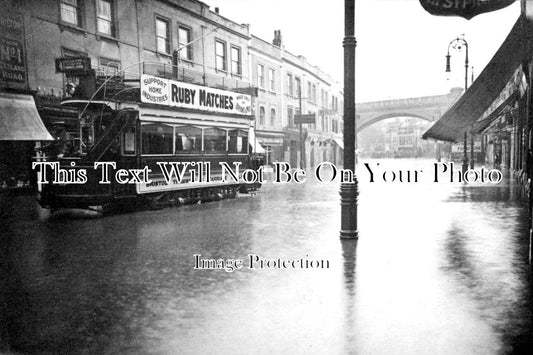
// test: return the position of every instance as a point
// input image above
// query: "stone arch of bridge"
(385, 116)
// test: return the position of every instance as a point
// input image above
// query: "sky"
(400, 47)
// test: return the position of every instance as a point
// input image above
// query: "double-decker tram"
(170, 143)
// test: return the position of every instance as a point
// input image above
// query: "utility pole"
(302, 143)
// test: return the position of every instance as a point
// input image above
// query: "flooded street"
(438, 268)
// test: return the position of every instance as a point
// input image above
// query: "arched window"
(273, 117)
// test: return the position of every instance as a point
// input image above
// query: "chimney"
(277, 38)
(217, 10)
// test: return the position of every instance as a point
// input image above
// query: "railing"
(194, 77)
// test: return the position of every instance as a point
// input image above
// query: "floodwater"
(439, 268)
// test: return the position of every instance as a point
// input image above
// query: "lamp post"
(302, 143)
(349, 190)
(458, 44)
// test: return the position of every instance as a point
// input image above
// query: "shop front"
(20, 123)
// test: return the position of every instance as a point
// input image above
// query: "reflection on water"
(438, 268)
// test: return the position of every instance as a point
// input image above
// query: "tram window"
(215, 140)
(188, 139)
(128, 141)
(237, 141)
(157, 138)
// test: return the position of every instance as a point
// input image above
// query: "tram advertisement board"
(167, 92)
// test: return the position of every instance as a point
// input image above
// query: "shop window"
(188, 139)
(214, 140)
(157, 138)
(237, 141)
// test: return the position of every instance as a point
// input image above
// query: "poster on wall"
(12, 57)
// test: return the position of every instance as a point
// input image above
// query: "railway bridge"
(428, 108)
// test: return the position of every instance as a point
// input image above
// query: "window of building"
(290, 90)
(105, 17)
(157, 138)
(107, 67)
(262, 115)
(71, 12)
(309, 92)
(184, 38)
(290, 117)
(236, 61)
(271, 82)
(298, 86)
(273, 117)
(261, 76)
(313, 96)
(162, 32)
(220, 53)
(238, 141)
(215, 140)
(188, 139)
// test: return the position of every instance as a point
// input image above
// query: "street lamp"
(458, 44)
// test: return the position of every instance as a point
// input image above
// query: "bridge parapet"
(428, 108)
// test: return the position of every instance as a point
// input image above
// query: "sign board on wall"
(73, 65)
(12, 57)
(463, 8)
(167, 92)
(305, 119)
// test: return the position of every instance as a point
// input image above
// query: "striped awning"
(19, 119)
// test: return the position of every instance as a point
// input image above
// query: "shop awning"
(486, 88)
(256, 147)
(481, 125)
(19, 119)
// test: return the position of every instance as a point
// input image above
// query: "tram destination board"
(304, 119)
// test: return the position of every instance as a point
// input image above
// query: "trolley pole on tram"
(348, 191)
